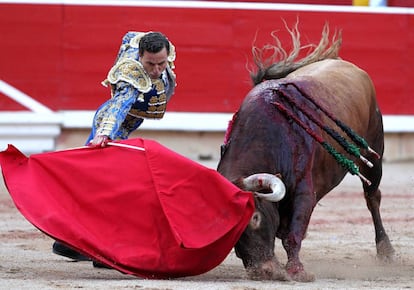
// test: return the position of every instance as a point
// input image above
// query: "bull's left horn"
(265, 181)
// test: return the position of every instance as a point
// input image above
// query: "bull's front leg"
(292, 240)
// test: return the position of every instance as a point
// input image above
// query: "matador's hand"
(99, 141)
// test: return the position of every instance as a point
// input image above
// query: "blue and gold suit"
(135, 95)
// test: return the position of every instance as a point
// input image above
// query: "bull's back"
(343, 88)
(347, 92)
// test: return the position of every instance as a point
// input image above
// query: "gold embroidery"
(159, 85)
(132, 72)
(134, 42)
(155, 110)
(141, 98)
(153, 100)
(149, 115)
(106, 126)
(158, 108)
(162, 98)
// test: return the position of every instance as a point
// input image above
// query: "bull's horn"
(265, 181)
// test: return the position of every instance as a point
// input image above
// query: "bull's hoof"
(282, 275)
(279, 275)
(298, 274)
(303, 276)
(385, 251)
(270, 270)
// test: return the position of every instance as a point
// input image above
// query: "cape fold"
(151, 213)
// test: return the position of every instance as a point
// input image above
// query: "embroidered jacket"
(135, 96)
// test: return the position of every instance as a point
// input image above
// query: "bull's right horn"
(265, 181)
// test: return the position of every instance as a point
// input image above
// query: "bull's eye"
(255, 220)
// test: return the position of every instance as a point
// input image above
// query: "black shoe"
(61, 249)
(100, 265)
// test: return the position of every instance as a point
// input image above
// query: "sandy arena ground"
(339, 248)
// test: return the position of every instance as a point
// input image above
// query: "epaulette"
(130, 71)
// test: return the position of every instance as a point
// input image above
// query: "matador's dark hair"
(153, 42)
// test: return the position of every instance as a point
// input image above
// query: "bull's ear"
(278, 175)
(255, 220)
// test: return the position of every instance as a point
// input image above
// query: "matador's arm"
(116, 110)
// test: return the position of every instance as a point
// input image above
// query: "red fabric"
(152, 213)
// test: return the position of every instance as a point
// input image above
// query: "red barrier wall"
(59, 54)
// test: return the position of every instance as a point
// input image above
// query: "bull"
(289, 138)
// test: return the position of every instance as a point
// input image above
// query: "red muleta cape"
(152, 213)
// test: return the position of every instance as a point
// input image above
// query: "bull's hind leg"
(372, 194)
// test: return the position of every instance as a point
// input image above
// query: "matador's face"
(154, 63)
